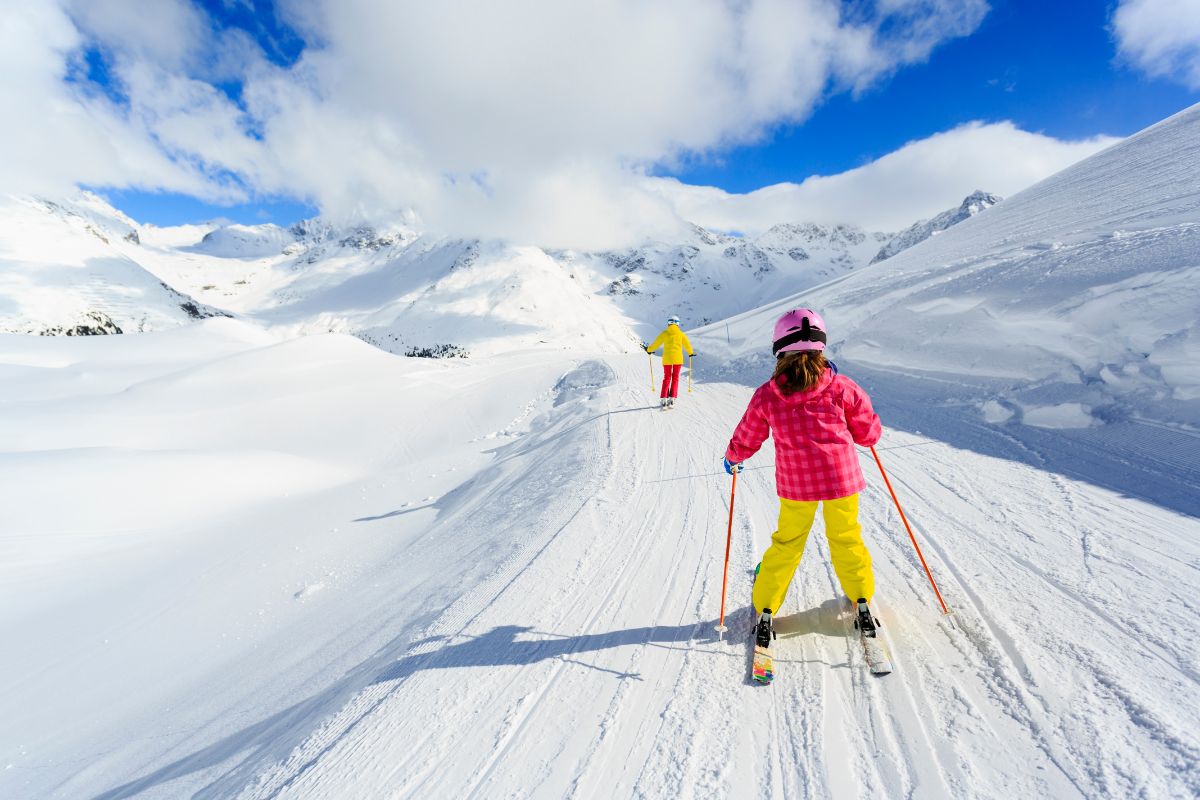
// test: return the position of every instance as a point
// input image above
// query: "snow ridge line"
(461, 615)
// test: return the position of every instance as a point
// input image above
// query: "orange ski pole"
(725, 577)
(908, 528)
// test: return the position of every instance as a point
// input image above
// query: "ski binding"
(879, 660)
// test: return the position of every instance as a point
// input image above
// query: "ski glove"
(732, 468)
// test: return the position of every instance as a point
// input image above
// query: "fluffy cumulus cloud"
(1161, 36)
(534, 120)
(917, 181)
(55, 135)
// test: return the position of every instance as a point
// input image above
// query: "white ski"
(879, 660)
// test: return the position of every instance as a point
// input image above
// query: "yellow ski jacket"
(673, 341)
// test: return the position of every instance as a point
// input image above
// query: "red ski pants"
(671, 380)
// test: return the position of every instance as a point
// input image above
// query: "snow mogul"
(674, 342)
(816, 416)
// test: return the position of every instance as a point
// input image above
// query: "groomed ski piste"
(239, 565)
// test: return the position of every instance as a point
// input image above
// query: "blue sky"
(1049, 67)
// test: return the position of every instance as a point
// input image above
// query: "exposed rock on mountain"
(915, 234)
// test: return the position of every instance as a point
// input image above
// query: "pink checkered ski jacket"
(815, 433)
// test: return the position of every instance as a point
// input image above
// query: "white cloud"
(54, 135)
(536, 118)
(917, 181)
(1161, 36)
(534, 121)
(169, 33)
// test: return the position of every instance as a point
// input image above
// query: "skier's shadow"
(824, 620)
(243, 754)
(519, 645)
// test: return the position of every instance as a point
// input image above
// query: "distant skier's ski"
(762, 670)
(879, 660)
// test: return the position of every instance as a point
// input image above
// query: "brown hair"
(799, 371)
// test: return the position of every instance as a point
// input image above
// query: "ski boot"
(864, 621)
(662, 403)
(670, 402)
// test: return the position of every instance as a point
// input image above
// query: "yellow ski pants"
(849, 555)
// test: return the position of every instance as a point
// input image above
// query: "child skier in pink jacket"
(817, 417)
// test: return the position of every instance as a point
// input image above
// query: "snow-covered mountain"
(918, 232)
(712, 275)
(411, 292)
(245, 241)
(66, 269)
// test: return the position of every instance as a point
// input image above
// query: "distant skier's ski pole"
(650, 359)
(690, 368)
(908, 528)
(725, 577)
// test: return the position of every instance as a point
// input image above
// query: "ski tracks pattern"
(587, 664)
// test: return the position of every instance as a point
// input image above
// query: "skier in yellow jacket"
(674, 342)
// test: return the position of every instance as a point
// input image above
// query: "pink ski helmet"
(799, 329)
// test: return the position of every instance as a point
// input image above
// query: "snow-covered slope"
(64, 270)
(1064, 319)
(231, 567)
(238, 564)
(918, 232)
(1073, 303)
(245, 241)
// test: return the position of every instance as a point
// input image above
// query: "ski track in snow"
(578, 658)
(221, 579)
(245, 596)
(587, 665)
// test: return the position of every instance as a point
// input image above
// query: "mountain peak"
(916, 233)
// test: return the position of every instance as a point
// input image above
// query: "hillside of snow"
(232, 566)
(244, 241)
(237, 561)
(62, 271)
(1064, 318)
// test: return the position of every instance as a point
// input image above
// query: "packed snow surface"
(240, 567)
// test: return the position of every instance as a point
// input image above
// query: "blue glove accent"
(732, 468)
